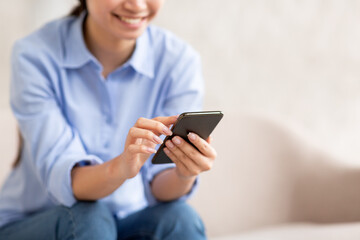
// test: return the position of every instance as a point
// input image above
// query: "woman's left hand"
(189, 161)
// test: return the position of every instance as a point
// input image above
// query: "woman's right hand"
(140, 144)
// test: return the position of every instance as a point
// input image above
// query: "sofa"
(270, 181)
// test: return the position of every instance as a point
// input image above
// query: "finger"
(144, 134)
(204, 147)
(134, 149)
(149, 143)
(156, 126)
(192, 167)
(167, 120)
(182, 168)
(138, 141)
(173, 157)
(192, 153)
(209, 139)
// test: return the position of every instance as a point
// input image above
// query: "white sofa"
(269, 182)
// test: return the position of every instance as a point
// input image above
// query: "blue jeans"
(93, 220)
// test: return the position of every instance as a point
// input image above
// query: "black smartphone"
(201, 123)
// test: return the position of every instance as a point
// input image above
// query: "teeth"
(131, 20)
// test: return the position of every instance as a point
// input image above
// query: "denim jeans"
(93, 220)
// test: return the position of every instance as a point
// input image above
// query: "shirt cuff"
(60, 183)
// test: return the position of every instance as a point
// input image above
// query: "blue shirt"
(68, 113)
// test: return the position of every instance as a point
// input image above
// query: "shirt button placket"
(107, 117)
(107, 128)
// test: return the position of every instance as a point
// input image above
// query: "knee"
(90, 210)
(92, 213)
(179, 216)
(91, 220)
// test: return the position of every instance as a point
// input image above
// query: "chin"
(129, 35)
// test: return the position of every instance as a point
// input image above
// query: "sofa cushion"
(350, 231)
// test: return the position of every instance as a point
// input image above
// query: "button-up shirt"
(68, 113)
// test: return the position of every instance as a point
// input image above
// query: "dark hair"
(20, 146)
(78, 9)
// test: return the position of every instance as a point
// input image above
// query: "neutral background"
(296, 60)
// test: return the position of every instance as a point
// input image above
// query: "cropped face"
(122, 19)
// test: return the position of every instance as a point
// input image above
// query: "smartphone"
(201, 123)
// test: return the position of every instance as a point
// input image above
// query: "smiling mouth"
(129, 20)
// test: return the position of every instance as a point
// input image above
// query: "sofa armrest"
(267, 173)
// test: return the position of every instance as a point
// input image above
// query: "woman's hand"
(98, 181)
(189, 161)
(140, 144)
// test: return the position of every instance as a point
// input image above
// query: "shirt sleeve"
(185, 94)
(51, 145)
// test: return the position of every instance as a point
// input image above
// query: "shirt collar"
(142, 59)
(77, 54)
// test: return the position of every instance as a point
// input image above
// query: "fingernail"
(166, 151)
(167, 131)
(192, 136)
(157, 139)
(176, 140)
(151, 150)
(169, 144)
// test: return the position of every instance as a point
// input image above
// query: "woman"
(93, 93)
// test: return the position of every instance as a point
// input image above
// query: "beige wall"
(17, 19)
(297, 60)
